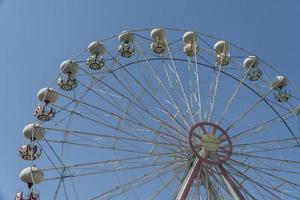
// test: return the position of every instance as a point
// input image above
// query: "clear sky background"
(37, 35)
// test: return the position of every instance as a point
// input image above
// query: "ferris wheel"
(164, 114)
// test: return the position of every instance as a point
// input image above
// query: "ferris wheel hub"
(210, 143)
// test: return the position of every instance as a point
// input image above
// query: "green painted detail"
(210, 142)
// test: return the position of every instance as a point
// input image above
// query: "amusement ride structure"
(164, 114)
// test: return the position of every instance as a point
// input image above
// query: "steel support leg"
(231, 185)
(189, 179)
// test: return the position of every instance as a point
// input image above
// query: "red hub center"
(210, 143)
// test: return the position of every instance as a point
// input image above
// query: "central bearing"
(210, 143)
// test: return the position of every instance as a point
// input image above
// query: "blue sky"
(36, 35)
